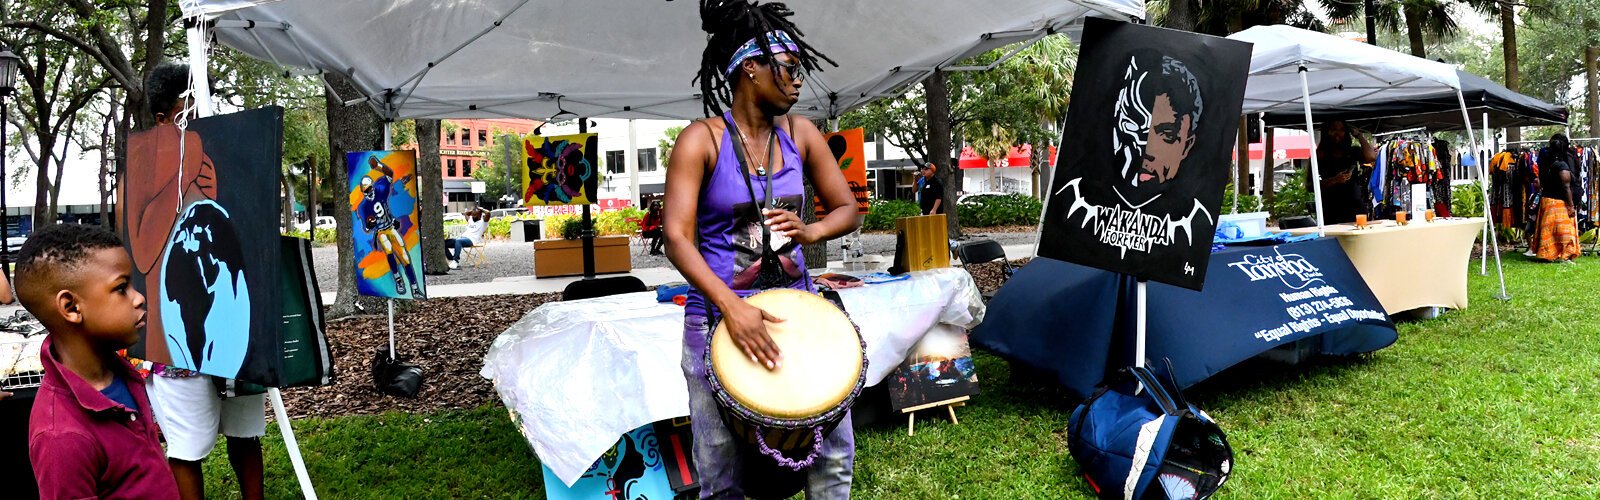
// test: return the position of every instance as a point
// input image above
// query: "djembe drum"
(787, 411)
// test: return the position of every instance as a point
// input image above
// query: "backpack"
(1150, 444)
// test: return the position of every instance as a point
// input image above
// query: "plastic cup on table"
(1428, 215)
(1400, 218)
(1361, 221)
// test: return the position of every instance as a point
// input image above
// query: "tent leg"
(1484, 189)
(293, 445)
(1483, 256)
(1316, 170)
(391, 329)
(1483, 179)
(1140, 322)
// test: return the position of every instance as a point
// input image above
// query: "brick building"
(464, 147)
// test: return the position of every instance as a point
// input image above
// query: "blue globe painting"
(206, 306)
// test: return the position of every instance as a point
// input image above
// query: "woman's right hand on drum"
(747, 326)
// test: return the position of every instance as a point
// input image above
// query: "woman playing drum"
(731, 223)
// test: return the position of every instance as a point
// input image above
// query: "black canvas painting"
(203, 209)
(1146, 151)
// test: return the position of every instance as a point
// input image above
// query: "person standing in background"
(930, 192)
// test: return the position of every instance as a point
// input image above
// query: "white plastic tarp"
(577, 375)
(1341, 72)
(634, 59)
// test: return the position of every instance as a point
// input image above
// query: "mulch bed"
(988, 275)
(446, 337)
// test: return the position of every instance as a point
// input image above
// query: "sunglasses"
(794, 70)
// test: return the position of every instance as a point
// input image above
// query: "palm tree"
(1225, 17)
(1421, 19)
(1506, 11)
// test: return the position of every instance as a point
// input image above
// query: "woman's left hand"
(789, 224)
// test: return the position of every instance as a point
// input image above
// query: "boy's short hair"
(51, 258)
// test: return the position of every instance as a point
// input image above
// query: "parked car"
(322, 221)
(507, 212)
(455, 216)
(978, 196)
(14, 243)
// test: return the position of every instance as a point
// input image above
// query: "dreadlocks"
(728, 24)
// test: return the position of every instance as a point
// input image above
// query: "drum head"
(821, 358)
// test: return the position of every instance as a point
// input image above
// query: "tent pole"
(1482, 173)
(1484, 188)
(1266, 176)
(1140, 294)
(1316, 171)
(588, 218)
(388, 137)
(198, 60)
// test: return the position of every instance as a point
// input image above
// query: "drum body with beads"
(785, 412)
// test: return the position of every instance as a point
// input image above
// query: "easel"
(948, 404)
(196, 32)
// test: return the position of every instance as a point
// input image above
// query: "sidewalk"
(650, 276)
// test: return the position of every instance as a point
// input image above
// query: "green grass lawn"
(1500, 400)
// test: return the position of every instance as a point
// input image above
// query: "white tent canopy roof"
(512, 58)
(1342, 72)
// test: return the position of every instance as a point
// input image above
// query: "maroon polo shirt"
(83, 445)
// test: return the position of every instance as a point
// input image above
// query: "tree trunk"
(1181, 15)
(105, 161)
(1268, 179)
(353, 128)
(61, 165)
(1241, 181)
(430, 181)
(124, 124)
(1591, 66)
(1414, 17)
(288, 202)
(43, 217)
(816, 254)
(1508, 45)
(311, 196)
(938, 96)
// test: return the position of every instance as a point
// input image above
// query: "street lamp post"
(8, 84)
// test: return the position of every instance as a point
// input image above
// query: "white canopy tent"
(531, 59)
(1291, 66)
(526, 59)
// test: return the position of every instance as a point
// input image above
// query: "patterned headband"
(777, 41)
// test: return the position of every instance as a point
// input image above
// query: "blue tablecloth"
(1076, 322)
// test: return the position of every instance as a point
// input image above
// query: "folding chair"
(474, 255)
(980, 251)
(602, 287)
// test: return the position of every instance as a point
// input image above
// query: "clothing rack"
(1424, 130)
(1542, 141)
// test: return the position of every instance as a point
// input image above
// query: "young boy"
(90, 433)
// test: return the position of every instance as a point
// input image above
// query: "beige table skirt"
(1422, 264)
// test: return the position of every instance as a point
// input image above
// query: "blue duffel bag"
(1148, 444)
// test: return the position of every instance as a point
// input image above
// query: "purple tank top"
(730, 226)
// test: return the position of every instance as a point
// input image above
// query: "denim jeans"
(454, 245)
(716, 452)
